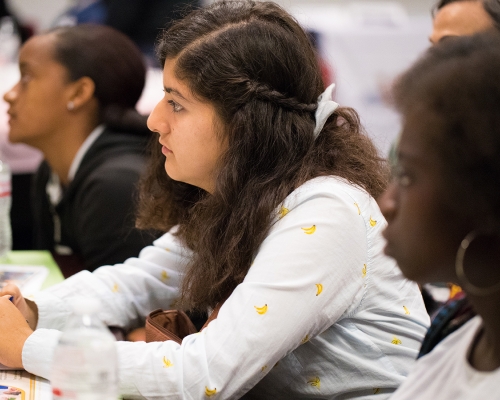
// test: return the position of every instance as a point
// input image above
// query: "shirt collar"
(83, 150)
(53, 188)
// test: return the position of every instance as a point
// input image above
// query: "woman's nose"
(11, 94)
(157, 120)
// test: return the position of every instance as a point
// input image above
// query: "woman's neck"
(485, 351)
(60, 150)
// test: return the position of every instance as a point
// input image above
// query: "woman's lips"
(165, 150)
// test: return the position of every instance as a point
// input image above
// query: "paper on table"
(21, 385)
(29, 278)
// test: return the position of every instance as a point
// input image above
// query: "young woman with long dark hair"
(266, 188)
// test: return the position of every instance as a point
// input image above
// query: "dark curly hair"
(255, 64)
(456, 87)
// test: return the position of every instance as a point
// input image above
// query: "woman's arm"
(307, 274)
(128, 291)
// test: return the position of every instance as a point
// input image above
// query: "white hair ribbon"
(326, 107)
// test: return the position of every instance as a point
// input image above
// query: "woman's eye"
(402, 177)
(25, 79)
(175, 106)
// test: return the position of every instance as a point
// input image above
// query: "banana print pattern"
(263, 368)
(167, 363)
(372, 222)
(407, 312)
(315, 382)
(261, 310)
(357, 206)
(319, 289)
(164, 276)
(305, 340)
(376, 390)
(210, 392)
(396, 341)
(363, 271)
(310, 230)
(283, 211)
(115, 288)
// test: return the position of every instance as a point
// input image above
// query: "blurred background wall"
(364, 45)
(40, 13)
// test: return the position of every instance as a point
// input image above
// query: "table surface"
(35, 257)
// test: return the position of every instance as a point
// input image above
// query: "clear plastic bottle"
(10, 41)
(85, 365)
(5, 203)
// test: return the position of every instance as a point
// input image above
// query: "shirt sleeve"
(306, 275)
(128, 291)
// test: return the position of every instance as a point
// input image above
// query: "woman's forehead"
(38, 50)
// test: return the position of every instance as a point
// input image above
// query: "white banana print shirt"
(321, 314)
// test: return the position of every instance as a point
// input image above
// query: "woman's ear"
(81, 92)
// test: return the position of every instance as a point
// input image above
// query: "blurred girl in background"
(75, 101)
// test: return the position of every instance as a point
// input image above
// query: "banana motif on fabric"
(167, 363)
(396, 341)
(310, 230)
(363, 271)
(210, 392)
(164, 276)
(372, 222)
(306, 339)
(407, 312)
(283, 211)
(261, 310)
(319, 289)
(376, 390)
(315, 382)
(359, 210)
(115, 288)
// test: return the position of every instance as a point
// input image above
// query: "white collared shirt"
(321, 314)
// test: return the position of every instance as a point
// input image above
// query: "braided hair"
(256, 66)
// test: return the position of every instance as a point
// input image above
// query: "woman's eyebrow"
(174, 92)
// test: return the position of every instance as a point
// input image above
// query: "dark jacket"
(96, 212)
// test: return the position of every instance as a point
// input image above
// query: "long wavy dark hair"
(254, 63)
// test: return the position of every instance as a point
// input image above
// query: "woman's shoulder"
(337, 190)
(329, 185)
(445, 372)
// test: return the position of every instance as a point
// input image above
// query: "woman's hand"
(27, 307)
(13, 333)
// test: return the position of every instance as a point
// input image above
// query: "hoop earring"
(70, 106)
(459, 270)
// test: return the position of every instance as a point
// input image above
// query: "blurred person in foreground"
(75, 101)
(463, 18)
(266, 188)
(454, 18)
(443, 207)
